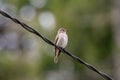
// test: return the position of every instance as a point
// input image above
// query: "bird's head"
(62, 30)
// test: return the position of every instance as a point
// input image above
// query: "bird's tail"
(56, 59)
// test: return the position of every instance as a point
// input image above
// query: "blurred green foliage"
(90, 38)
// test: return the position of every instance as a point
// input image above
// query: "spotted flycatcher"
(61, 40)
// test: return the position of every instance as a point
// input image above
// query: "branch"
(77, 59)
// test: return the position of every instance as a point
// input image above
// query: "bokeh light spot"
(47, 20)
(27, 13)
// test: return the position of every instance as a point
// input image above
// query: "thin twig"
(77, 59)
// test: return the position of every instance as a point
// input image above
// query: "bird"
(61, 40)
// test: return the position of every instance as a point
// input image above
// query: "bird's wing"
(57, 51)
(56, 39)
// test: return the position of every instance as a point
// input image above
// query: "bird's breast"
(63, 40)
